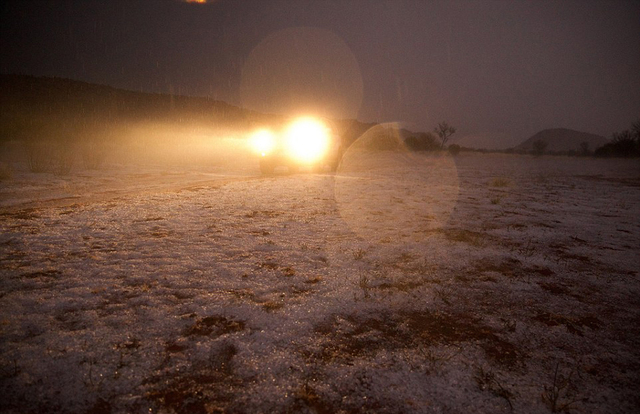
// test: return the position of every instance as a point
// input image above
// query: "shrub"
(454, 149)
(500, 182)
(422, 142)
(623, 144)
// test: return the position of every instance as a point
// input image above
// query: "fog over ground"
(500, 71)
(153, 261)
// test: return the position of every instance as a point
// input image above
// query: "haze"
(499, 71)
(286, 207)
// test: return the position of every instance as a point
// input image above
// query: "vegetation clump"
(623, 144)
(424, 141)
(444, 131)
(436, 141)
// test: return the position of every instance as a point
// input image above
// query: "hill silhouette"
(30, 104)
(58, 109)
(562, 140)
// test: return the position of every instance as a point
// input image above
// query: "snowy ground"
(402, 284)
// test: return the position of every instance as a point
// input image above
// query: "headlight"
(307, 140)
(263, 142)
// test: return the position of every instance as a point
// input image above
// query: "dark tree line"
(623, 144)
(424, 141)
(427, 141)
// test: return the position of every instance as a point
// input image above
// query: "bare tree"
(444, 131)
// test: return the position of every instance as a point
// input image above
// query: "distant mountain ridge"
(44, 97)
(563, 140)
(33, 106)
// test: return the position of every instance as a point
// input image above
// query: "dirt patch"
(574, 325)
(508, 267)
(24, 214)
(350, 337)
(214, 326)
(206, 387)
(50, 273)
(465, 236)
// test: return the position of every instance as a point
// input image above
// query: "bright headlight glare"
(263, 141)
(307, 140)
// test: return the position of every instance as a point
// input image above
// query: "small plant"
(496, 200)
(359, 254)
(559, 396)
(307, 394)
(509, 325)
(288, 271)
(527, 250)
(487, 380)
(93, 380)
(444, 294)
(436, 359)
(272, 306)
(363, 283)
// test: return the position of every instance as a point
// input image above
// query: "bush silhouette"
(623, 144)
(454, 149)
(422, 142)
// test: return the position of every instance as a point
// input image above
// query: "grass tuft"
(500, 182)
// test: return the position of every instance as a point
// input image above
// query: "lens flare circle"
(389, 194)
(302, 70)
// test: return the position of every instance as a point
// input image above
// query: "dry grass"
(500, 182)
(507, 303)
(364, 337)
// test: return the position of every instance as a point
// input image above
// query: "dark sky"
(498, 70)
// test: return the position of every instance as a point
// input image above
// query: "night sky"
(500, 71)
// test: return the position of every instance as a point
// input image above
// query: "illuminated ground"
(406, 284)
